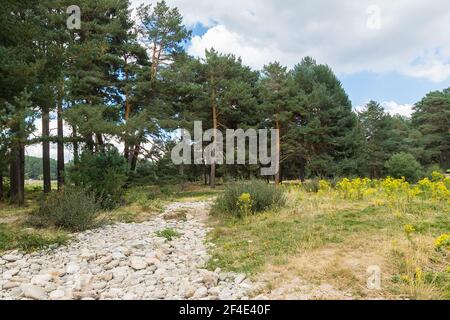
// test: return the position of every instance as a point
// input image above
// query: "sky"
(393, 52)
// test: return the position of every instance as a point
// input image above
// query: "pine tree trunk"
(135, 156)
(13, 177)
(46, 150)
(21, 186)
(212, 180)
(60, 161)
(76, 156)
(277, 150)
(1, 185)
(17, 175)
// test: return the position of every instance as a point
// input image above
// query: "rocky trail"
(125, 261)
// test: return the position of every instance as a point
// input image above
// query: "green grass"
(246, 245)
(168, 234)
(29, 240)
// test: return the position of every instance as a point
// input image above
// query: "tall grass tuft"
(262, 197)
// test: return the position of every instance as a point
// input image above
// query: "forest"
(116, 81)
(122, 86)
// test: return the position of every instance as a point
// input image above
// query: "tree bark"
(60, 161)
(46, 150)
(1, 185)
(137, 150)
(17, 175)
(277, 148)
(212, 180)
(76, 156)
(21, 175)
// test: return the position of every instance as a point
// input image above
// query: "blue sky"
(393, 52)
(365, 85)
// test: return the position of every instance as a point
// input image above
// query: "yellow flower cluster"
(324, 186)
(245, 203)
(438, 188)
(356, 189)
(443, 242)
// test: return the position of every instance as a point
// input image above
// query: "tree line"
(119, 79)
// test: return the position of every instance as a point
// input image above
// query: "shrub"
(168, 234)
(311, 186)
(103, 174)
(249, 196)
(71, 209)
(404, 165)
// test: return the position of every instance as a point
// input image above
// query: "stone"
(160, 272)
(9, 285)
(41, 280)
(210, 279)
(124, 261)
(57, 294)
(72, 268)
(11, 257)
(201, 293)
(138, 263)
(112, 265)
(10, 273)
(239, 278)
(83, 282)
(34, 292)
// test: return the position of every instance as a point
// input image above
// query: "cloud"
(338, 33)
(393, 108)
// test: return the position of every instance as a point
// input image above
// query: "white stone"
(137, 263)
(72, 268)
(34, 292)
(201, 293)
(57, 294)
(11, 257)
(10, 273)
(41, 280)
(239, 278)
(9, 285)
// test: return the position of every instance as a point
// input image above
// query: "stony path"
(124, 261)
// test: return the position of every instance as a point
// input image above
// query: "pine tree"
(276, 96)
(326, 128)
(230, 90)
(432, 118)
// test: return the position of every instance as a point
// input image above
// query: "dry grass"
(327, 241)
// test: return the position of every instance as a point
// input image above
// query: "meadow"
(324, 232)
(332, 233)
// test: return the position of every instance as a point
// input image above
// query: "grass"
(324, 239)
(168, 234)
(29, 239)
(142, 203)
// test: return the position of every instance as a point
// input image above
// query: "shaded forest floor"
(317, 247)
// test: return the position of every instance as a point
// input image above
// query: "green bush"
(311, 186)
(404, 165)
(71, 209)
(103, 174)
(263, 196)
(168, 234)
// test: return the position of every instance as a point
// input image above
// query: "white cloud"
(333, 32)
(393, 108)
